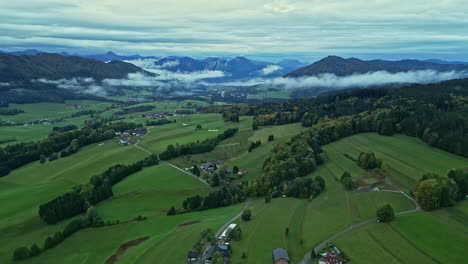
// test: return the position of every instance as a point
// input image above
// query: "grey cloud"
(358, 80)
(79, 85)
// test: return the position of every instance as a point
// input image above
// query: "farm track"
(168, 163)
(307, 258)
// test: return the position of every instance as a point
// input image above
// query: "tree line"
(90, 219)
(197, 147)
(10, 111)
(226, 196)
(65, 143)
(135, 109)
(159, 122)
(83, 196)
(435, 113)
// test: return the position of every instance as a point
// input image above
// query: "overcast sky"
(268, 29)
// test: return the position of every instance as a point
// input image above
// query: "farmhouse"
(330, 258)
(225, 250)
(209, 167)
(280, 256)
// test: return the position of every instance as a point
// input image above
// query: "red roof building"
(331, 258)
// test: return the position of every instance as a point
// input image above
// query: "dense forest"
(436, 113)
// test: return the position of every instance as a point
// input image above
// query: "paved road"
(307, 258)
(232, 220)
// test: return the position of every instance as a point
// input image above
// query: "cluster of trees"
(347, 181)
(91, 219)
(207, 237)
(246, 214)
(69, 142)
(135, 109)
(64, 128)
(85, 112)
(305, 187)
(232, 116)
(255, 145)
(278, 118)
(368, 161)
(296, 158)
(198, 147)
(159, 122)
(83, 196)
(226, 196)
(271, 138)
(184, 112)
(385, 213)
(10, 111)
(434, 191)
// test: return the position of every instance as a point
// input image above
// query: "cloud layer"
(163, 82)
(332, 81)
(302, 28)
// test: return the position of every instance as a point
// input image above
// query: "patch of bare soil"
(119, 253)
(189, 223)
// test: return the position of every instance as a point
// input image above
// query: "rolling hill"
(54, 66)
(344, 67)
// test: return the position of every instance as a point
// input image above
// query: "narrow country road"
(232, 220)
(170, 164)
(307, 258)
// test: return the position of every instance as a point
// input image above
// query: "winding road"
(307, 258)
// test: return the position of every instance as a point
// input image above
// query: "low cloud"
(4, 84)
(79, 85)
(166, 82)
(170, 64)
(270, 69)
(353, 81)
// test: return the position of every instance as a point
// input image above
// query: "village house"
(209, 167)
(225, 250)
(280, 256)
(330, 258)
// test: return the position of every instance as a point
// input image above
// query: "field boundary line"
(168, 163)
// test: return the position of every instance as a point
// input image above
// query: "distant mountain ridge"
(344, 67)
(236, 68)
(55, 66)
(19, 76)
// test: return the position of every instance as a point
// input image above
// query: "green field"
(414, 238)
(335, 210)
(51, 111)
(184, 130)
(233, 151)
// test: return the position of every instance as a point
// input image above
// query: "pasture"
(413, 238)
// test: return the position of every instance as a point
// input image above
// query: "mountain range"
(344, 67)
(236, 68)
